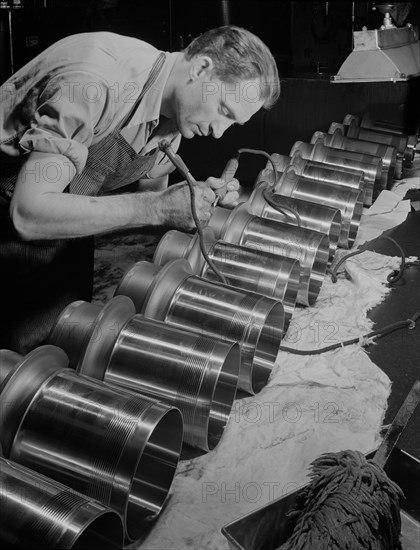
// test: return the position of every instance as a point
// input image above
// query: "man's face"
(206, 106)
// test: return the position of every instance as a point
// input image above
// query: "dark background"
(305, 37)
(309, 40)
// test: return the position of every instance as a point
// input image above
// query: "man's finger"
(206, 192)
(230, 197)
(215, 183)
(209, 195)
(232, 185)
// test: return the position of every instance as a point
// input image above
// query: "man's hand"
(227, 191)
(176, 201)
(176, 205)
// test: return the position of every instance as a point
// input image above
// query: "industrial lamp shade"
(380, 55)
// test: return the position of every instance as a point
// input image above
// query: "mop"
(350, 502)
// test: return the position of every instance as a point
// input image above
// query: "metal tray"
(268, 527)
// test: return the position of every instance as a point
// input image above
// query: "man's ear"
(201, 66)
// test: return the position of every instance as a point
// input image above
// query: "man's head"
(229, 75)
(237, 55)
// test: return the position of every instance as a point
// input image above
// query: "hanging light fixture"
(389, 53)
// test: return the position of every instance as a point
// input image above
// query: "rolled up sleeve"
(71, 110)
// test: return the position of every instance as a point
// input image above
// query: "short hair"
(237, 55)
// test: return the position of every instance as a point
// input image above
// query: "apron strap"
(156, 68)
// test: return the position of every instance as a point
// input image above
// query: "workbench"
(398, 354)
(271, 451)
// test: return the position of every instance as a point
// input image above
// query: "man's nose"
(219, 127)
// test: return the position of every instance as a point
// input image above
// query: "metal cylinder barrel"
(38, 512)
(196, 374)
(371, 187)
(244, 193)
(381, 125)
(326, 173)
(311, 248)
(370, 165)
(87, 332)
(311, 215)
(400, 142)
(8, 361)
(106, 443)
(347, 200)
(389, 127)
(351, 177)
(173, 294)
(387, 153)
(176, 244)
(257, 270)
(351, 121)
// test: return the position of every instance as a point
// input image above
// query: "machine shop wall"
(36, 24)
(305, 105)
(167, 24)
(320, 36)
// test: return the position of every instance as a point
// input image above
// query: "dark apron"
(40, 278)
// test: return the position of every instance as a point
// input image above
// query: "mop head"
(350, 504)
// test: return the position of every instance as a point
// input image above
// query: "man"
(80, 124)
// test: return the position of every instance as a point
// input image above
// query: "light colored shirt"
(80, 89)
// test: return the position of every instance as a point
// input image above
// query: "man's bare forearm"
(41, 210)
(65, 216)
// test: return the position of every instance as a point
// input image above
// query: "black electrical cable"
(259, 152)
(409, 323)
(269, 197)
(393, 277)
(176, 160)
(203, 249)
